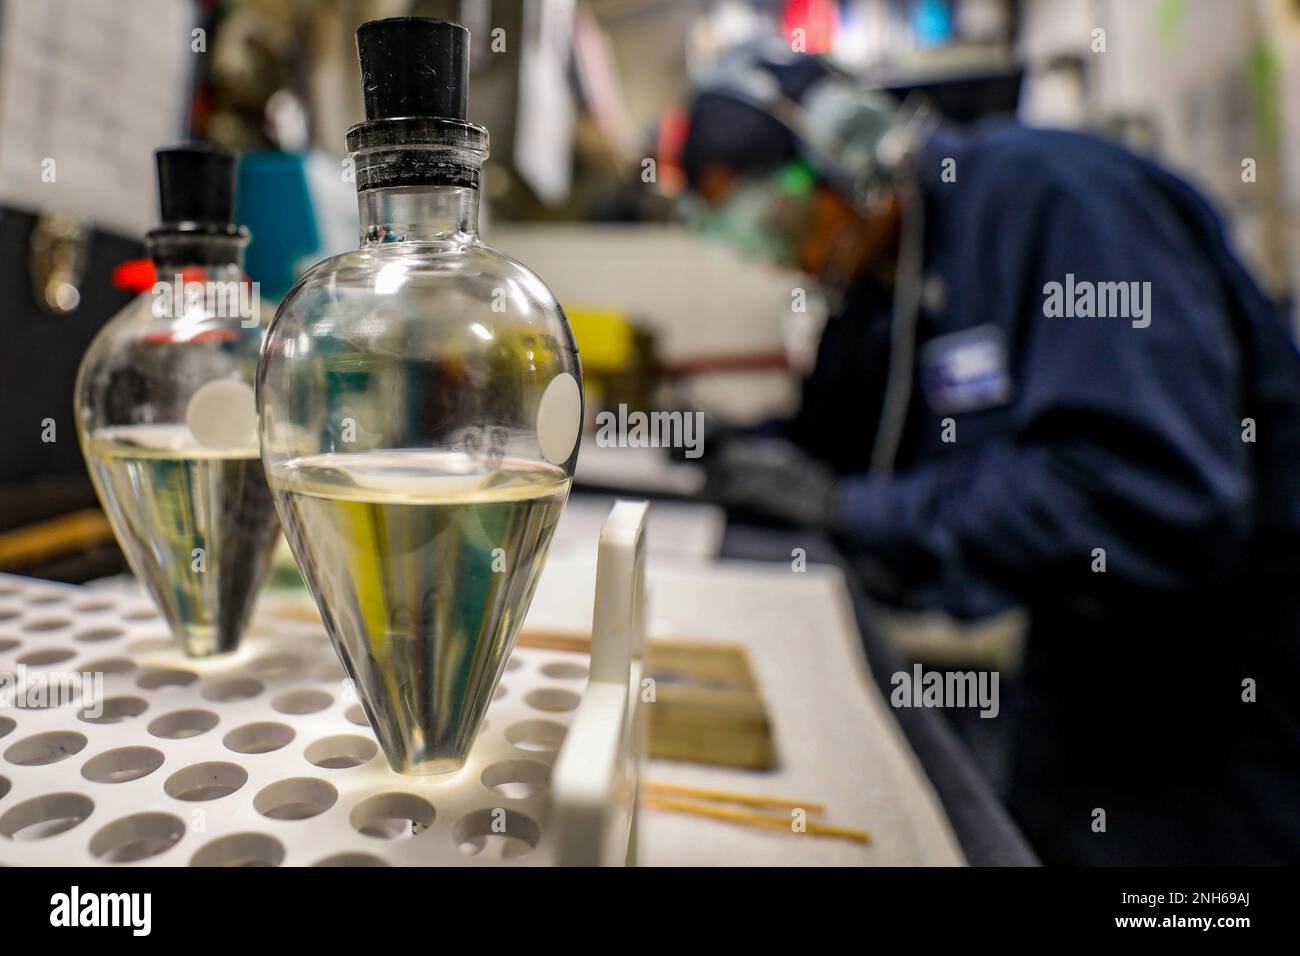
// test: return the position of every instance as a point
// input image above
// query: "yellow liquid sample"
(197, 526)
(423, 566)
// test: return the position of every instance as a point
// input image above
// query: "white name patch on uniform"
(966, 371)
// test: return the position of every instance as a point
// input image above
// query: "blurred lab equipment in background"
(87, 91)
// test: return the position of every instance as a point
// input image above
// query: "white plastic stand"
(265, 757)
(596, 778)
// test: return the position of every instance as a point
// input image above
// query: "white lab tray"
(551, 779)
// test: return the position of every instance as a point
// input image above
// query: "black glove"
(773, 478)
(713, 433)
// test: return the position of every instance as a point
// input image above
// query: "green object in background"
(1264, 84)
(796, 179)
(1170, 16)
(763, 216)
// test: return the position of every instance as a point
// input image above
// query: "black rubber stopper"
(196, 184)
(414, 66)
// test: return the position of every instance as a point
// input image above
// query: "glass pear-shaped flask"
(420, 401)
(166, 416)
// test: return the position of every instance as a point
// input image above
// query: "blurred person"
(1050, 384)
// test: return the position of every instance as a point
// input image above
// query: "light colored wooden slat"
(66, 534)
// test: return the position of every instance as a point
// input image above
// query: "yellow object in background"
(605, 338)
(619, 363)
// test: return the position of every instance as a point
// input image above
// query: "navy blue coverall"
(1043, 445)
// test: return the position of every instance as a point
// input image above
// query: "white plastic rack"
(265, 757)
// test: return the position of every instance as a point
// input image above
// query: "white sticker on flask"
(559, 418)
(222, 414)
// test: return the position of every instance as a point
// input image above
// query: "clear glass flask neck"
(418, 214)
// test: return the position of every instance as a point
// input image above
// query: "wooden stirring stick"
(750, 818)
(724, 796)
(552, 640)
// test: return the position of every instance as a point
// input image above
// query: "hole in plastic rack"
(47, 657)
(96, 634)
(351, 859)
(276, 665)
(539, 735)
(151, 645)
(45, 816)
(554, 700)
(48, 624)
(180, 724)
(122, 765)
(258, 738)
(241, 849)
(46, 748)
(517, 779)
(206, 781)
(298, 798)
(341, 752)
(234, 689)
(330, 671)
(50, 692)
(564, 670)
(498, 832)
(93, 606)
(162, 677)
(392, 816)
(110, 665)
(114, 710)
(302, 701)
(140, 836)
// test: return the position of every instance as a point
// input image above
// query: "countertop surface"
(836, 739)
